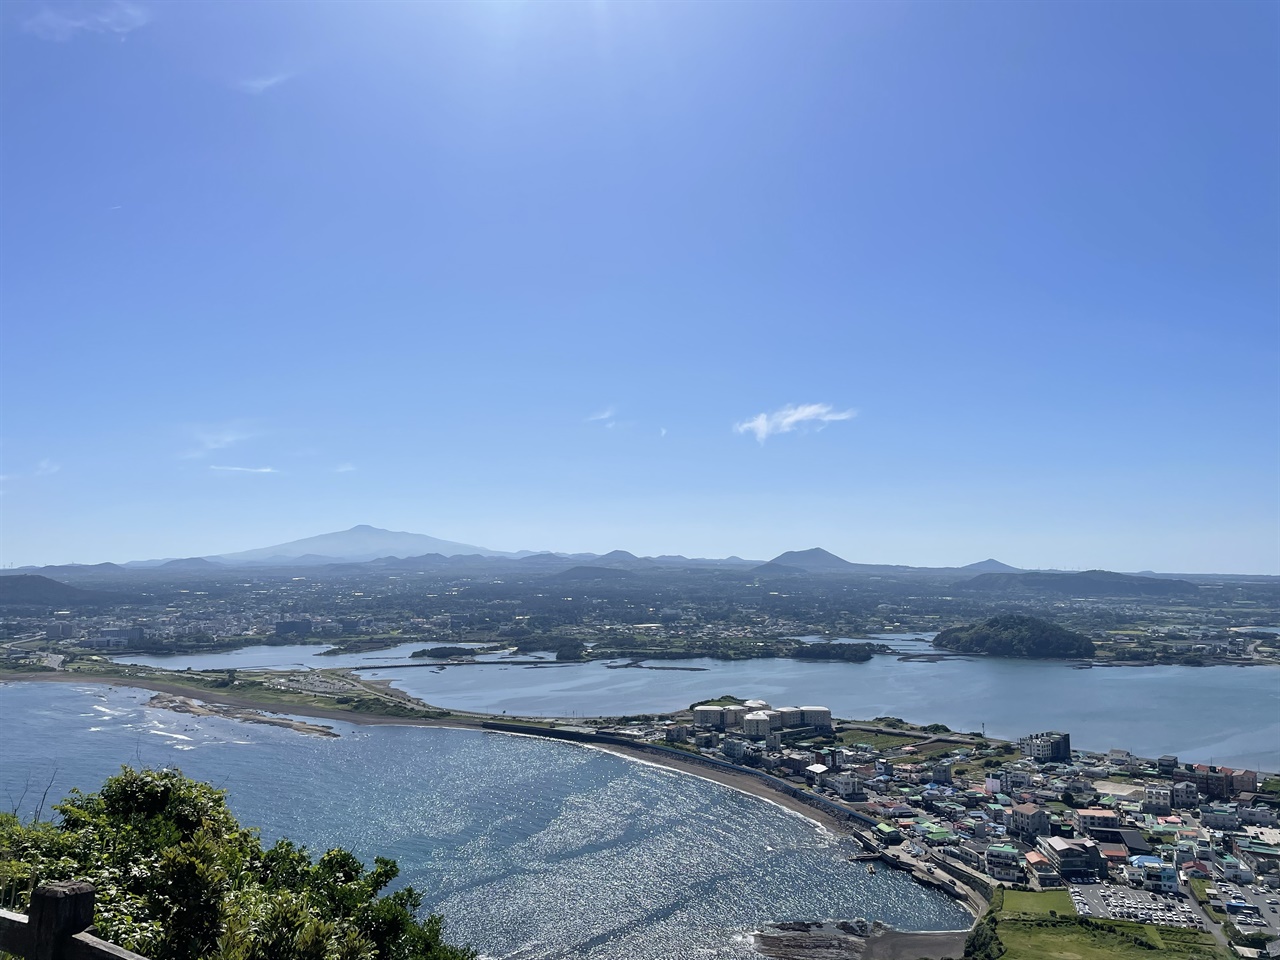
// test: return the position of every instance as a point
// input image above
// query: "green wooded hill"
(1016, 635)
(1090, 583)
(33, 590)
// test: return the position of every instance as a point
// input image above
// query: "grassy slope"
(1025, 941)
(1037, 904)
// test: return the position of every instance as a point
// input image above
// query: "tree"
(179, 878)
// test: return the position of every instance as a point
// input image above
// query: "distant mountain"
(1090, 583)
(989, 566)
(775, 569)
(360, 543)
(544, 560)
(191, 564)
(815, 560)
(33, 590)
(623, 560)
(88, 570)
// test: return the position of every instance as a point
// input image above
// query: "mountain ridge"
(360, 543)
(364, 543)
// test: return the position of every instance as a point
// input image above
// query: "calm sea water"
(531, 848)
(1222, 715)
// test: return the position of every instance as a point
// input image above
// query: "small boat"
(871, 868)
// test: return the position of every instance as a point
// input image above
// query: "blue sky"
(917, 282)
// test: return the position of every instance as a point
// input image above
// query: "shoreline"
(742, 782)
(775, 941)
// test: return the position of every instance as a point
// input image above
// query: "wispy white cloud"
(791, 417)
(46, 468)
(608, 413)
(344, 468)
(662, 431)
(259, 85)
(217, 437)
(245, 469)
(65, 22)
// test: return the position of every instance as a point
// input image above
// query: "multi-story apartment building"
(1097, 818)
(1073, 857)
(1051, 745)
(1028, 821)
(1185, 795)
(1003, 862)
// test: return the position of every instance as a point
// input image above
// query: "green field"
(878, 741)
(1111, 940)
(1037, 904)
(932, 751)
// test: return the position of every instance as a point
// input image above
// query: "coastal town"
(1022, 832)
(1145, 839)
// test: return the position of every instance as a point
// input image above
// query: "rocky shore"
(168, 701)
(854, 940)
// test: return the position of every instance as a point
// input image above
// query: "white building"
(791, 716)
(757, 724)
(848, 786)
(705, 717)
(817, 717)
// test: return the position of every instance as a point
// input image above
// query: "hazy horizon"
(921, 284)
(764, 557)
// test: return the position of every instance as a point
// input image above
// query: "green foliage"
(847, 652)
(442, 652)
(982, 942)
(565, 648)
(178, 878)
(896, 723)
(1016, 635)
(722, 701)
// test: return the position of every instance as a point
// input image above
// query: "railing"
(55, 928)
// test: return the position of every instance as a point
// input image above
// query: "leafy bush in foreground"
(178, 878)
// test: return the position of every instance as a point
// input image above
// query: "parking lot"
(1109, 901)
(1266, 901)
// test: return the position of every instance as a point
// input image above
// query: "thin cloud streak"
(245, 469)
(47, 468)
(608, 413)
(344, 468)
(260, 85)
(116, 17)
(210, 439)
(792, 417)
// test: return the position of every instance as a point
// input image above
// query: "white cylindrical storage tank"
(792, 716)
(756, 724)
(705, 716)
(817, 716)
(756, 705)
(733, 715)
